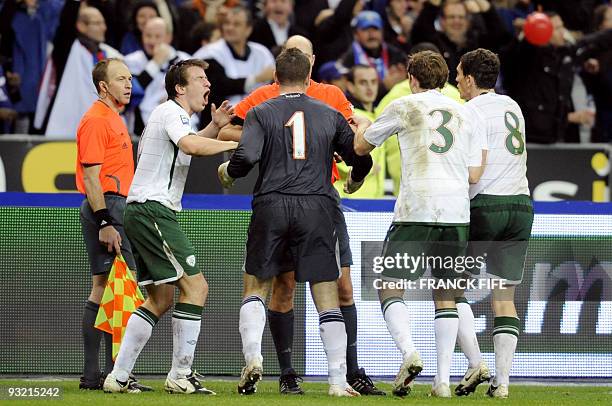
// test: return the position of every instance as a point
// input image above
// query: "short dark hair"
(136, 8)
(429, 68)
(292, 67)
(202, 31)
(239, 8)
(177, 75)
(350, 76)
(482, 65)
(450, 3)
(100, 71)
(424, 46)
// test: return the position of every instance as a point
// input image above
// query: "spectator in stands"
(26, 30)
(333, 73)
(362, 81)
(465, 26)
(132, 40)
(236, 66)
(202, 34)
(149, 67)
(330, 30)
(307, 11)
(66, 89)
(166, 9)
(598, 78)
(577, 15)
(192, 12)
(7, 112)
(368, 48)
(398, 24)
(112, 20)
(546, 98)
(513, 13)
(273, 29)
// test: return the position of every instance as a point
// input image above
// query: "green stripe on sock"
(461, 300)
(147, 315)
(185, 316)
(187, 311)
(388, 302)
(507, 325)
(446, 314)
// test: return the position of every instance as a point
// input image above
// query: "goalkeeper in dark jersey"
(293, 138)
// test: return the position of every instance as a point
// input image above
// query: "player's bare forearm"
(230, 132)
(360, 145)
(475, 172)
(93, 187)
(210, 131)
(220, 117)
(202, 146)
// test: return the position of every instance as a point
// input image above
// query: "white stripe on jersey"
(162, 168)
(437, 144)
(506, 171)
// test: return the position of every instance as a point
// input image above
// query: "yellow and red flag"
(121, 297)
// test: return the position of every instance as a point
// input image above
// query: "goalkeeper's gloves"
(226, 180)
(352, 186)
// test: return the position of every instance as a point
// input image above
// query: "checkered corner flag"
(121, 298)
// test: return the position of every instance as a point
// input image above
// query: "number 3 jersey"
(293, 137)
(506, 171)
(438, 139)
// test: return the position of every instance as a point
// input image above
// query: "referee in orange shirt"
(104, 172)
(280, 308)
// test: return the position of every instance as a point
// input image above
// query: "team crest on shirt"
(190, 260)
(184, 119)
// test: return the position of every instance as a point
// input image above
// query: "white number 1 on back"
(298, 128)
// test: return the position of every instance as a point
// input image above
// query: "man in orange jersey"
(104, 172)
(280, 309)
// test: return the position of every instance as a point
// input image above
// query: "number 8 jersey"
(506, 170)
(438, 139)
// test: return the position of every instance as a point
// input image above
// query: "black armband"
(103, 218)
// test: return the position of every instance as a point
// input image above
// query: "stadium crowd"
(49, 47)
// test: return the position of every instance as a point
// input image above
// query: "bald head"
(301, 43)
(156, 24)
(155, 32)
(91, 24)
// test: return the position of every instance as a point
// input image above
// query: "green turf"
(267, 395)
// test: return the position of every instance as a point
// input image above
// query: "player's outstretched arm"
(249, 150)
(230, 132)
(360, 145)
(221, 117)
(200, 146)
(361, 164)
(351, 185)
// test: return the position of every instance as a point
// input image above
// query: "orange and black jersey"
(293, 138)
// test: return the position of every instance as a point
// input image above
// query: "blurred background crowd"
(48, 48)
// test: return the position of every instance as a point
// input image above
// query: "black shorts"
(344, 245)
(302, 226)
(346, 256)
(100, 260)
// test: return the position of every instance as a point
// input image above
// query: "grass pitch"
(267, 395)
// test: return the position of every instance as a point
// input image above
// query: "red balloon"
(538, 28)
